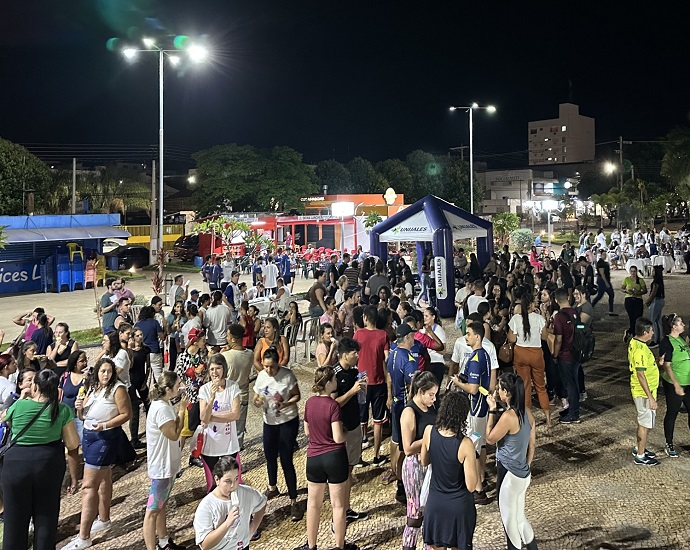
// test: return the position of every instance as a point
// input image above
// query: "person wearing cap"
(401, 367)
(193, 299)
(178, 291)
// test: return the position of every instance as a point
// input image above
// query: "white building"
(566, 139)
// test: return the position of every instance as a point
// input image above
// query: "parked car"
(130, 255)
(186, 247)
(111, 244)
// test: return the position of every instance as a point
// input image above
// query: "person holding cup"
(227, 517)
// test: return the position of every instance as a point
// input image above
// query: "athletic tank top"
(512, 450)
(448, 474)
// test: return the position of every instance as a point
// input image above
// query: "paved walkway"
(585, 494)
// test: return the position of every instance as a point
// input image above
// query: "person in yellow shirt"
(644, 381)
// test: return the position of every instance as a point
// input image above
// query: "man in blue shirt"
(401, 367)
(478, 371)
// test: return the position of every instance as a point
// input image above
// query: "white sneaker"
(78, 544)
(99, 526)
(564, 404)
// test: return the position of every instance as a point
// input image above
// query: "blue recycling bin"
(112, 262)
(198, 261)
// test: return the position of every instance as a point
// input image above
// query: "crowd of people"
(524, 328)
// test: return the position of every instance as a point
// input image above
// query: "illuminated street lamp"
(488, 109)
(196, 53)
(549, 206)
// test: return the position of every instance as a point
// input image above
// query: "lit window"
(564, 159)
(546, 139)
(550, 148)
(564, 148)
(550, 158)
(563, 128)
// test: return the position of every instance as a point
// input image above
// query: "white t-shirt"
(461, 294)
(220, 438)
(6, 388)
(284, 300)
(473, 302)
(163, 454)
(240, 364)
(275, 389)
(536, 324)
(434, 355)
(189, 325)
(216, 321)
(122, 361)
(213, 511)
(270, 273)
(462, 352)
(228, 266)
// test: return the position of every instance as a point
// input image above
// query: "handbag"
(13, 441)
(505, 352)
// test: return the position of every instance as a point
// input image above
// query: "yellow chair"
(74, 248)
(100, 270)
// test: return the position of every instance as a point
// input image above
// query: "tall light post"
(197, 54)
(489, 109)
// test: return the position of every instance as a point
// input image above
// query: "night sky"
(339, 79)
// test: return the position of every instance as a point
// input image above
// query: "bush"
(521, 240)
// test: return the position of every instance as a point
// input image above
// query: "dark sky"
(339, 79)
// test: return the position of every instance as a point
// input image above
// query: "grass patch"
(185, 267)
(87, 336)
(125, 274)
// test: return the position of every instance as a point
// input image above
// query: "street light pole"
(471, 162)
(490, 109)
(159, 245)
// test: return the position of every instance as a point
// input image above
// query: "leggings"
(673, 404)
(511, 504)
(138, 397)
(635, 309)
(210, 463)
(412, 478)
(280, 441)
(654, 314)
(31, 480)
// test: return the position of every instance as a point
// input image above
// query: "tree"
(21, 172)
(225, 228)
(372, 220)
(676, 162)
(504, 224)
(426, 174)
(398, 176)
(335, 176)
(243, 178)
(456, 183)
(363, 176)
(522, 239)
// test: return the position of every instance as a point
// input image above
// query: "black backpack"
(583, 344)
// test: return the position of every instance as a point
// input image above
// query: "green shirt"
(680, 361)
(43, 430)
(641, 359)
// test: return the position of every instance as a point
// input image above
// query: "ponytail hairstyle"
(166, 381)
(216, 298)
(667, 322)
(271, 353)
(422, 381)
(525, 302)
(47, 383)
(513, 384)
(322, 376)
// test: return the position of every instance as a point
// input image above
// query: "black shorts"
(377, 395)
(330, 467)
(396, 413)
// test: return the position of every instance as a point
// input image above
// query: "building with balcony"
(566, 139)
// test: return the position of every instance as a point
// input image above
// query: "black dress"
(449, 515)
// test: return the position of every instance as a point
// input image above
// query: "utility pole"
(620, 153)
(153, 238)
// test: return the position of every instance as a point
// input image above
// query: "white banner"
(414, 228)
(440, 277)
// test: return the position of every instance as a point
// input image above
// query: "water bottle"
(361, 394)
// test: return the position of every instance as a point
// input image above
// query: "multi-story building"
(566, 139)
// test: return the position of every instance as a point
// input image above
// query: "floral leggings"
(412, 478)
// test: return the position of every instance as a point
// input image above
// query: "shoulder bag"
(22, 431)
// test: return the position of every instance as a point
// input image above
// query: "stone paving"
(585, 494)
